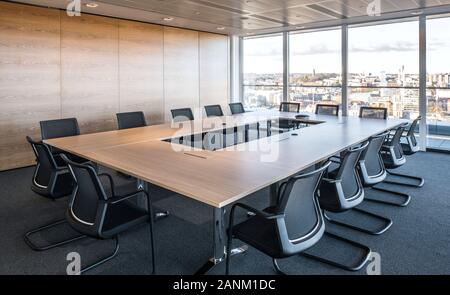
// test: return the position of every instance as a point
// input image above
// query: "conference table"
(218, 177)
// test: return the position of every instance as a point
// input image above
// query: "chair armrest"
(118, 199)
(329, 180)
(111, 182)
(257, 212)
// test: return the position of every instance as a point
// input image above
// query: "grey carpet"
(417, 243)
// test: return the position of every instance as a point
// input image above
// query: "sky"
(372, 49)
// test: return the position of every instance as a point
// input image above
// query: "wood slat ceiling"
(244, 16)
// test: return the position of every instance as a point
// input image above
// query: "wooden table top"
(221, 177)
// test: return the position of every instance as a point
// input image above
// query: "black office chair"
(50, 181)
(393, 153)
(373, 113)
(96, 214)
(373, 172)
(131, 120)
(327, 109)
(287, 229)
(61, 128)
(341, 190)
(411, 146)
(286, 124)
(236, 108)
(214, 111)
(184, 114)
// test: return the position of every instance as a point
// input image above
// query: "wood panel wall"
(90, 67)
(29, 78)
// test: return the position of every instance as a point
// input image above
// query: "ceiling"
(249, 17)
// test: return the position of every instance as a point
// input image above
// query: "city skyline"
(372, 49)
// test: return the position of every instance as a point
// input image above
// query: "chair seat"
(389, 162)
(120, 217)
(261, 234)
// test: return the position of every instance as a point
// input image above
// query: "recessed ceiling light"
(168, 19)
(417, 12)
(220, 28)
(91, 5)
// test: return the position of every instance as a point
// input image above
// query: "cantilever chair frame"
(97, 230)
(46, 190)
(371, 181)
(310, 238)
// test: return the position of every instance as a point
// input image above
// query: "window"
(263, 71)
(315, 68)
(438, 82)
(384, 68)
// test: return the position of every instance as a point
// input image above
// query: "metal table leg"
(274, 194)
(219, 240)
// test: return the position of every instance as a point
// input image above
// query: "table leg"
(269, 128)
(219, 243)
(246, 135)
(274, 194)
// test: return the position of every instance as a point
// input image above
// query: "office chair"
(373, 113)
(103, 216)
(285, 125)
(327, 109)
(393, 153)
(341, 190)
(372, 170)
(184, 114)
(50, 181)
(131, 120)
(214, 111)
(287, 229)
(236, 108)
(61, 128)
(411, 146)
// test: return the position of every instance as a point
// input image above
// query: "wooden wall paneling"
(181, 70)
(214, 71)
(29, 78)
(141, 69)
(89, 71)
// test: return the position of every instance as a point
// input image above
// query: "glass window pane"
(315, 68)
(263, 71)
(384, 68)
(438, 82)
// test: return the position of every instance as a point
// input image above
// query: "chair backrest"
(59, 128)
(131, 120)
(184, 114)
(373, 113)
(214, 110)
(371, 164)
(327, 109)
(298, 201)
(392, 147)
(292, 107)
(46, 164)
(412, 145)
(236, 108)
(347, 172)
(87, 199)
